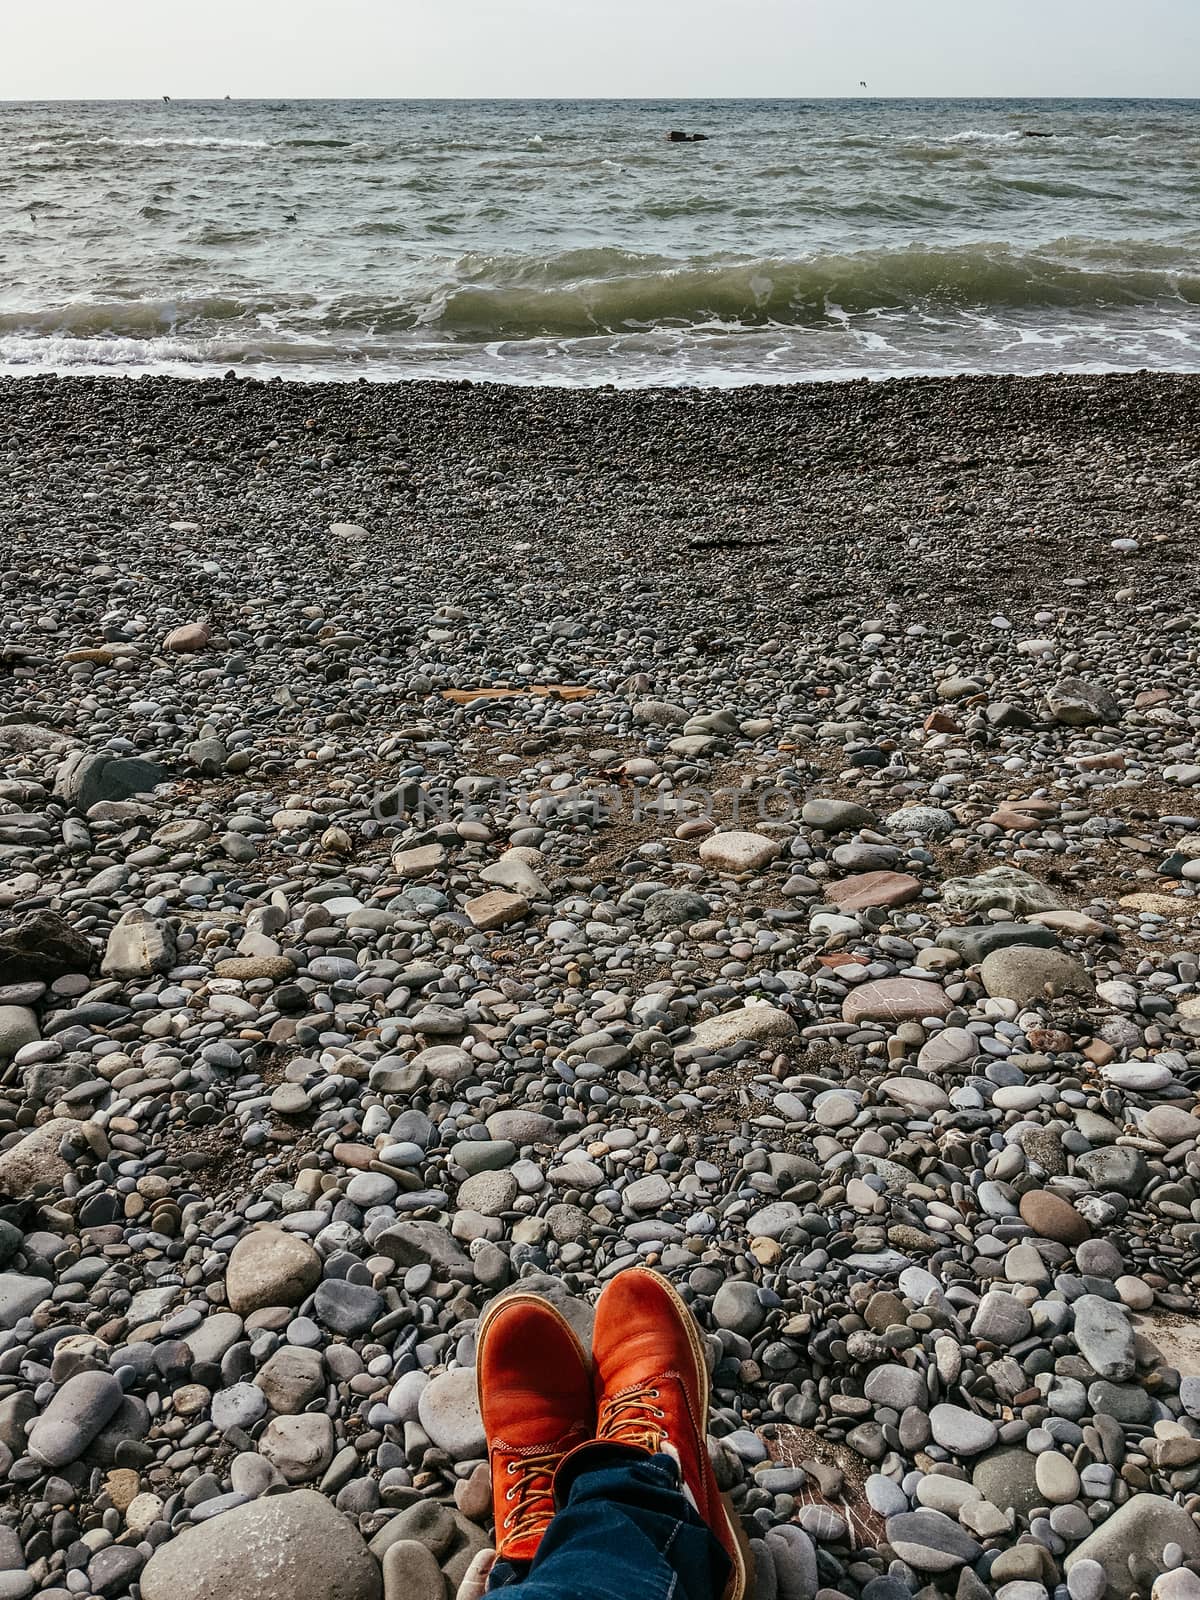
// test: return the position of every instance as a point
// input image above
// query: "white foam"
(983, 136)
(149, 142)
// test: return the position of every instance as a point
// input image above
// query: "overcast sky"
(132, 49)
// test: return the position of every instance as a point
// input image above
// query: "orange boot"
(652, 1392)
(535, 1399)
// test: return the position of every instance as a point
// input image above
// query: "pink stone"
(873, 889)
(896, 1000)
(190, 637)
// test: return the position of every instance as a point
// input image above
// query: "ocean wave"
(985, 136)
(792, 293)
(136, 319)
(148, 142)
(585, 292)
(53, 350)
(1052, 189)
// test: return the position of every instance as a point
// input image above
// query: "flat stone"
(299, 1447)
(43, 946)
(1000, 888)
(1170, 1124)
(18, 1027)
(757, 1022)
(419, 863)
(895, 1000)
(921, 822)
(1001, 1319)
(1104, 1336)
(246, 968)
(773, 1220)
(489, 1193)
(1080, 704)
(674, 908)
(864, 889)
(973, 942)
(896, 1386)
(1120, 1168)
(836, 816)
(496, 909)
(241, 1405)
(411, 1572)
(961, 1431)
(646, 1195)
(347, 1308)
(449, 1413)
(736, 852)
(76, 1414)
(296, 1545)
(1053, 1217)
(738, 1308)
(138, 947)
(917, 1095)
(1029, 974)
(19, 1295)
(86, 777)
(1008, 1477)
(930, 1542)
(1057, 1479)
(952, 1047)
(410, 1244)
(291, 1377)
(188, 638)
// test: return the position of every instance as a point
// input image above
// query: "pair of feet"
(646, 1387)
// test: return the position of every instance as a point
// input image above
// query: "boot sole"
(737, 1546)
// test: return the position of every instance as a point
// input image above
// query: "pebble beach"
(456, 836)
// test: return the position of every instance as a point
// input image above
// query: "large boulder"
(139, 946)
(1000, 888)
(288, 1545)
(1030, 974)
(87, 776)
(43, 947)
(270, 1268)
(1079, 704)
(756, 1023)
(1137, 1533)
(36, 1158)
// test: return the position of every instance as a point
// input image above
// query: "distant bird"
(166, 99)
(32, 217)
(290, 217)
(862, 83)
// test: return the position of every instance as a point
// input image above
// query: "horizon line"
(536, 99)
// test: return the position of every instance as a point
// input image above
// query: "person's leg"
(624, 1531)
(602, 1487)
(652, 1391)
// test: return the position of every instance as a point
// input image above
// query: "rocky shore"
(455, 836)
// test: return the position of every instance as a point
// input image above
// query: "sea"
(572, 242)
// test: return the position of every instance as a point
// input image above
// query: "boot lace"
(633, 1418)
(531, 1494)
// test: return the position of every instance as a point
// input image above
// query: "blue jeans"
(622, 1531)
